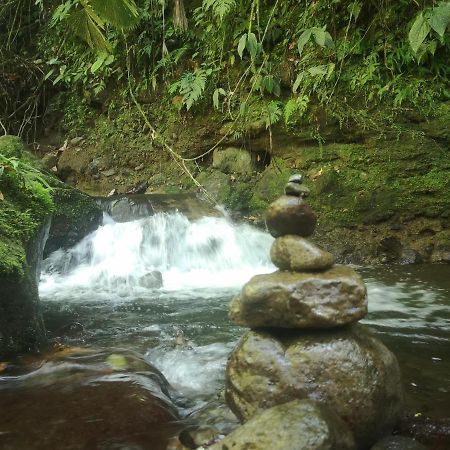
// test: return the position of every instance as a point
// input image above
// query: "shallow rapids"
(93, 295)
(208, 253)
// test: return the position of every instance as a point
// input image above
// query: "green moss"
(22, 211)
(72, 204)
(270, 185)
(239, 196)
(11, 146)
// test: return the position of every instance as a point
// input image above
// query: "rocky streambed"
(304, 343)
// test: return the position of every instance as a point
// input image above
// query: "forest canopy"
(359, 61)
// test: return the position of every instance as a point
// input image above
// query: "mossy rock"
(12, 146)
(75, 216)
(270, 186)
(216, 183)
(25, 211)
(26, 207)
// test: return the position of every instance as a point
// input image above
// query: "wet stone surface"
(67, 403)
(295, 253)
(301, 300)
(348, 369)
(300, 424)
(290, 215)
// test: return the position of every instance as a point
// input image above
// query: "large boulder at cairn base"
(301, 300)
(348, 369)
(300, 424)
(295, 253)
(290, 215)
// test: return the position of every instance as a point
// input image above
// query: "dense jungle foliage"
(361, 62)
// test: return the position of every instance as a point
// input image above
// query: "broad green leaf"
(98, 63)
(303, 39)
(243, 109)
(319, 36)
(317, 70)
(419, 31)
(322, 37)
(241, 45)
(48, 74)
(121, 14)
(109, 60)
(217, 92)
(252, 44)
(297, 81)
(269, 84)
(439, 18)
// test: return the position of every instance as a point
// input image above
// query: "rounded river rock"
(290, 215)
(301, 300)
(299, 424)
(349, 370)
(295, 253)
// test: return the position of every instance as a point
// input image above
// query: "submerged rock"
(301, 300)
(398, 443)
(295, 253)
(79, 401)
(151, 280)
(299, 424)
(290, 215)
(348, 369)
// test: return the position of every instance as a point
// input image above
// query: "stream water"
(97, 296)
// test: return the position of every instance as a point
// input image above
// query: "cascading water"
(182, 326)
(210, 252)
(97, 293)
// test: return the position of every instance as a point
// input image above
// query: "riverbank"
(382, 196)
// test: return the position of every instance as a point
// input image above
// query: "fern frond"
(219, 8)
(191, 86)
(122, 14)
(87, 28)
(272, 113)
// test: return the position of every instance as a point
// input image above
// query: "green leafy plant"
(191, 86)
(88, 19)
(436, 19)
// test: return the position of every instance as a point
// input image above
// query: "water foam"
(210, 252)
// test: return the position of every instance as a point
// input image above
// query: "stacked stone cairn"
(304, 341)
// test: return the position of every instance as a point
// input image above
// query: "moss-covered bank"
(379, 196)
(29, 197)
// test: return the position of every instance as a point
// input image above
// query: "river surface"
(97, 296)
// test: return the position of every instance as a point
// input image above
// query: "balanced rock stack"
(304, 341)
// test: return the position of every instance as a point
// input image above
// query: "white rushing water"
(210, 252)
(182, 328)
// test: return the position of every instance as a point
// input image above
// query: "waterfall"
(123, 257)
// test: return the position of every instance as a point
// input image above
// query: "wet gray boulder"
(127, 209)
(348, 369)
(299, 424)
(290, 215)
(301, 300)
(297, 254)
